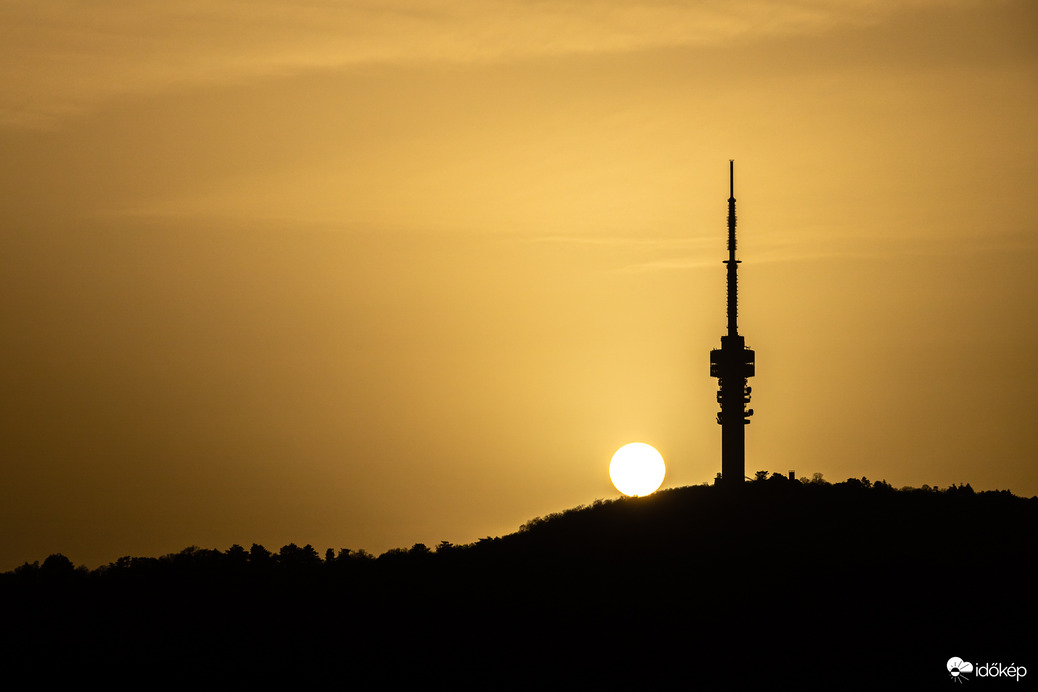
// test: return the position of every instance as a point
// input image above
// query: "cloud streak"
(59, 58)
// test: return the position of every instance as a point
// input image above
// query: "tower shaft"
(732, 364)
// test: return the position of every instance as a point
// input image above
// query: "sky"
(369, 274)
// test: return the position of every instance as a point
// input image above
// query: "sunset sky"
(367, 274)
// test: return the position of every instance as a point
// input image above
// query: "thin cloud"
(58, 58)
(676, 263)
(654, 243)
(698, 252)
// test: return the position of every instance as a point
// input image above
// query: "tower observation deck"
(732, 364)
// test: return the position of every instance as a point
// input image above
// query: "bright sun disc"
(637, 469)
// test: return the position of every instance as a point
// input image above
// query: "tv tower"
(731, 365)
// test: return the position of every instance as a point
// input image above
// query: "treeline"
(293, 558)
(235, 559)
(689, 585)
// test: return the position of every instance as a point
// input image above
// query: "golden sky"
(366, 274)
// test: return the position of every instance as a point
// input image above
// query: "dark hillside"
(781, 583)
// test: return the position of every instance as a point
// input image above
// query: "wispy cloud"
(677, 254)
(675, 263)
(59, 57)
(627, 241)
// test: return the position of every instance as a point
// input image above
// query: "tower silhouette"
(731, 365)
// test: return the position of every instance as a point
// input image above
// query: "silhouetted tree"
(57, 569)
(57, 564)
(258, 555)
(28, 569)
(236, 555)
(292, 555)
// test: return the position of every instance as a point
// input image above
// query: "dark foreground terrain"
(779, 584)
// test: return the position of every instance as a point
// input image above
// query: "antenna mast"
(733, 281)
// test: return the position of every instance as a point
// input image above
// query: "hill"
(776, 583)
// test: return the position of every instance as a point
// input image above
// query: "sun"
(637, 469)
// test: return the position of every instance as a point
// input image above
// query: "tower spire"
(733, 281)
(732, 364)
